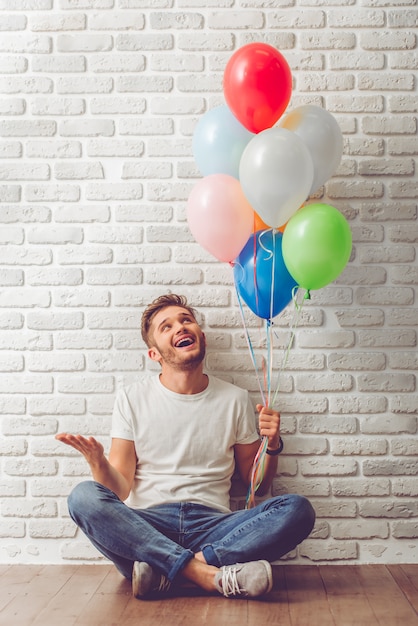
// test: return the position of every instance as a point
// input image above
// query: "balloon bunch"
(258, 175)
(258, 170)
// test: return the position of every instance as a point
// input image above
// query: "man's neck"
(187, 383)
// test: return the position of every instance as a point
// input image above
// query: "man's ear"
(154, 354)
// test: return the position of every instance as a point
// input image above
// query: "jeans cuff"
(210, 556)
(179, 564)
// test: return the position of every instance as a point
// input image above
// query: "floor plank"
(389, 603)
(406, 578)
(347, 599)
(32, 589)
(303, 595)
(307, 598)
(63, 608)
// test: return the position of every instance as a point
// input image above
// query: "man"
(159, 505)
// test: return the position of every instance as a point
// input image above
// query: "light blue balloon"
(219, 140)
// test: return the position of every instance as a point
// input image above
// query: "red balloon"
(257, 85)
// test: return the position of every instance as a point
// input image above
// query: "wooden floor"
(96, 595)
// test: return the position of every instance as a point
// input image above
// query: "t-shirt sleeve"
(122, 425)
(247, 429)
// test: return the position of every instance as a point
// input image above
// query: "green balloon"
(316, 245)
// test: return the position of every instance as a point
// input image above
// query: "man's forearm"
(108, 476)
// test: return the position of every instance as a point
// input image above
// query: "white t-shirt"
(184, 443)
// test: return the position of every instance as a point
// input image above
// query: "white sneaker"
(245, 580)
(146, 582)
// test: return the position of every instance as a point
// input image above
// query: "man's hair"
(162, 302)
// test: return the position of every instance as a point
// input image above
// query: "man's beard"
(183, 364)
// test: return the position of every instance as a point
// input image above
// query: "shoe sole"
(269, 575)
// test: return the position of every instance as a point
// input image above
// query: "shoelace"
(164, 584)
(230, 586)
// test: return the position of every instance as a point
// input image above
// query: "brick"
(360, 530)
(404, 404)
(13, 447)
(324, 382)
(393, 254)
(405, 487)
(59, 64)
(86, 384)
(405, 530)
(26, 384)
(26, 341)
(18, 507)
(377, 508)
(386, 382)
(86, 425)
(55, 321)
(82, 214)
(24, 128)
(52, 193)
(307, 19)
(402, 233)
(404, 447)
(387, 40)
(120, 362)
(387, 467)
(387, 425)
(31, 467)
(360, 488)
(52, 487)
(330, 551)
(357, 361)
(55, 362)
(384, 296)
(15, 529)
(51, 529)
(53, 148)
(28, 426)
(328, 467)
(402, 104)
(53, 406)
(320, 339)
(25, 298)
(359, 447)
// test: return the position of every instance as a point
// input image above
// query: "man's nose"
(178, 327)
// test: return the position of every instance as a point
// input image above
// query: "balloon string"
(250, 346)
(262, 246)
(257, 473)
(293, 326)
(255, 270)
(269, 324)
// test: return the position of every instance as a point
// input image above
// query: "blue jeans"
(168, 535)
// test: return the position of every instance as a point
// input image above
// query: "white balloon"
(321, 134)
(276, 174)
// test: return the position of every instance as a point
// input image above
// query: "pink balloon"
(220, 216)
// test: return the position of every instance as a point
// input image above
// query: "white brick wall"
(99, 99)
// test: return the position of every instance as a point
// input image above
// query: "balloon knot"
(307, 295)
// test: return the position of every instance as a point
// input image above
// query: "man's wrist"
(275, 451)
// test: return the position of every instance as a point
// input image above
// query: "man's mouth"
(184, 342)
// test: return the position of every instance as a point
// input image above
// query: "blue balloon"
(219, 140)
(261, 277)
